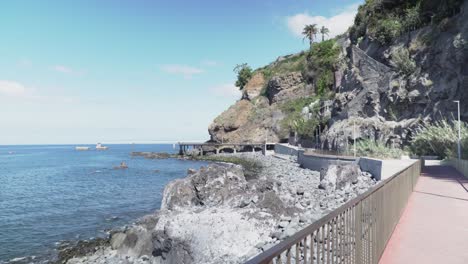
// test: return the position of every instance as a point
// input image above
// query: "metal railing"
(357, 232)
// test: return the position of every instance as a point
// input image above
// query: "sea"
(54, 193)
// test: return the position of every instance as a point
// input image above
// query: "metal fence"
(356, 232)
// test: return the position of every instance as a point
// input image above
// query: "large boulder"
(213, 185)
(136, 241)
(213, 235)
(339, 177)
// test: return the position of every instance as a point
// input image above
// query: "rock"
(254, 86)
(288, 232)
(259, 245)
(117, 240)
(213, 185)
(271, 202)
(339, 177)
(300, 191)
(247, 121)
(276, 234)
(286, 87)
(201, 220)
(283, 224)
(153, 155)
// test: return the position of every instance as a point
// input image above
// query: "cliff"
(400, 64)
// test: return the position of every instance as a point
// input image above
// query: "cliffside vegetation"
(251, 166)
(440, 139)
(296, 121)
(244, 73)
(387, 20)
(322, 60)
(376, 149)
(316, 66)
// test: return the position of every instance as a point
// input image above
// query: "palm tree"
(324, 31)
(309, 32)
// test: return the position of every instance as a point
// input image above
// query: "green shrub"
(324, 82)
(325, 54)
(295, 121)
(387, 30)
(322, 60)
(402, 60)
(244, 73)
(386, 20)
(251, 167)
(376, 149)
(440, 139)
(412, 19)
(291, 63)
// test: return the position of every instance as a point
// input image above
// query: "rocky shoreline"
(216, 215)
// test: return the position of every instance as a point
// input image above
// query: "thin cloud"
(209, 63)
(18, 91)
(24, 62)
(13, 89)
(226, 90)
(337, 24)
(67, 70)
(184, 70)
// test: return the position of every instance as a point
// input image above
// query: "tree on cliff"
(324, 31)
(244, 73)
(309, 32)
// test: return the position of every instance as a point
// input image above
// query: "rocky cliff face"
(386, 90)
(385, 100)
(256, 116)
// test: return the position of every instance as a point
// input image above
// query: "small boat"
(122, 166)
(100, 147)
(81, 148)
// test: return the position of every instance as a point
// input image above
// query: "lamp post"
(459, 129)
(354, 137)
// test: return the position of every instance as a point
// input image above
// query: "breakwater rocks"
(216, 215)
(154, 155)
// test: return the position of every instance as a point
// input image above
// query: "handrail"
(356, 232)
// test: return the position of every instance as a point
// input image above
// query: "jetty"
(212, 147)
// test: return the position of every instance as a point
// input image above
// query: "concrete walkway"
(434, 225)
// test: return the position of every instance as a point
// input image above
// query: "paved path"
(434, 225)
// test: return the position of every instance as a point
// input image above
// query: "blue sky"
(138, 70)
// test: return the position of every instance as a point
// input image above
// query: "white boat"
(100, 147)
(81, 148)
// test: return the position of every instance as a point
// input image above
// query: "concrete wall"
(285, 149)
(460, 165)
(373, 166)
(318, 162)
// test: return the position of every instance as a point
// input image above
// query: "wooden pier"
(204, 148)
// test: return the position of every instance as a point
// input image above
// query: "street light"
(354, 137)
(459, 129)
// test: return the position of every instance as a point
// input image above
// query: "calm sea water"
(54, 193)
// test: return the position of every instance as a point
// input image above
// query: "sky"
(119, 71)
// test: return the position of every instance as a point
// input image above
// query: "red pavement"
(434, 225)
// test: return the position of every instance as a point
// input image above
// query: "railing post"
(358, 232)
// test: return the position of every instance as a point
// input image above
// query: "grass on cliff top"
(386, 21)
(251, 167)
(290, 63)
